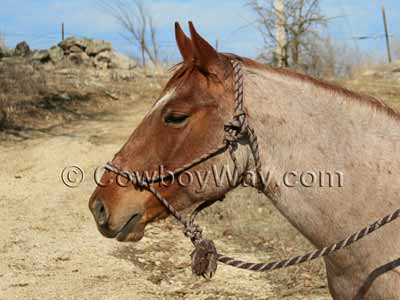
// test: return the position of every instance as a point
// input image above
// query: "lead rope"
(205, 256)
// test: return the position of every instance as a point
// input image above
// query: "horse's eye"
(175, 118)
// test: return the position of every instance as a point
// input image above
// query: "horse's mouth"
(128, 227)
(122, 233)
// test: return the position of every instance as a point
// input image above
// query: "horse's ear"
(184, 44)
(205, 56)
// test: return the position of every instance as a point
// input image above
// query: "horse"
(302, 124)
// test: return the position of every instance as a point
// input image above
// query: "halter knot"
(193, 231)
(234, 131)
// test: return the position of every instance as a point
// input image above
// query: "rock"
(94, 47)
(91, 46)
(41, 55)
(73, 44)
(103, 60)
(79, 58)
(83, 43)
(75, 49)
(122, 62)
(105, 56)
(22, 49)
(56, 53)
(68, 42)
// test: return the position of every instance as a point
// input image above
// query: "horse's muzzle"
(102, 217)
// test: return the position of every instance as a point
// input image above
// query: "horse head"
(185, 122)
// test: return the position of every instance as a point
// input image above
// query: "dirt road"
(51, 249)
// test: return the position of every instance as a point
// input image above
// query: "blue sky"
(38, 22)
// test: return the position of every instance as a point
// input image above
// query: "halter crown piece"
(205, 256)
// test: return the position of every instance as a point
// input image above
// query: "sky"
(230, 21)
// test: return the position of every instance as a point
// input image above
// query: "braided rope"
(264, 267)
(237, 129)
(240, 120)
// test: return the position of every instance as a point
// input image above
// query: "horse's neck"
(302, 127)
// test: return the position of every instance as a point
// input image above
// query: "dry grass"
(19, 84)
(21, 80)
(377, 79)
(388, 91)
(37, 99)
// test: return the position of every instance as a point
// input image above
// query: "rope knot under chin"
(193, 231)
(235, 130)
(204, 259)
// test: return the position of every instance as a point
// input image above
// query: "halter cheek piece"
(205, 255)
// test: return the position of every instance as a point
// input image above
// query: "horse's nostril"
(99, 212)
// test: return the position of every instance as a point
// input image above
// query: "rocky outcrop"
(72, 42)
(95, 56)
(74, 49)
(91, 47)
(68, 43)
(56, 54)
(91, 52)
(79, 58)
(103, 60)
(79, 51)
(95, 47)
(22, 49)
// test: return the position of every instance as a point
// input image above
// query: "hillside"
(380, 81)
(42, 90)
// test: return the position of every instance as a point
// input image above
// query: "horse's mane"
(182, 71)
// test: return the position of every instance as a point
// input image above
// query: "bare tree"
(297, 20)
(138, 26)
(329, 59)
